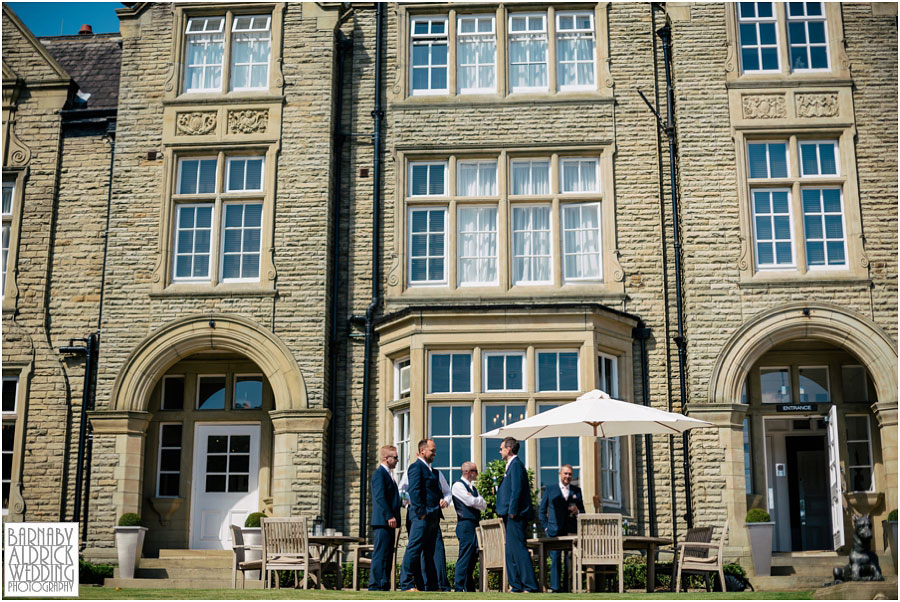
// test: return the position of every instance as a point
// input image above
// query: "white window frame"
(235, 32)
(512, 37)
(871, 465)
(478, 163)
(495, 258)
(175, 244)
(485, 428)
(9, 184)
(818, 144)
(579, 256)
(234, 388)
(768, 144)
(430, 40)
(805, 19)
(579, 161)
(611, 446)
(409, 181)
(401, 365)
(14, 412)
(556, 352)
(446, 255)
(790, 384)
(822, 214)
(401, 428)
(476, 36)
(224, 407)
(576, 33)
(188, 35)
(504, 354)
(531, 232)
(756, 21)
(450, 352)
(612, 377)
(262, 176)
(162, 392)
(241, 253)
(827, 383)
(452, 464)
(159, 451)
(199, 159)
(531, 165)
(773, 241)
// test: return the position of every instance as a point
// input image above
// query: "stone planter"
(761, 547)
(129, 544)
(890, 534)
(252, 537)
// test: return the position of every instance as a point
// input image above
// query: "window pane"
(547, 380)
(211, 393)
(440, 373)
(173, 393)
(853, 380)
(171, 435)
(248, 392)
(814, 385)
(462, 363)
(775, 385)
(440, 420)
(568, 371)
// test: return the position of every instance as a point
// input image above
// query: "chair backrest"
(493, 544)
(722, 541)
(237, 544)
(284, 536)
(698, 535)
(600, 538)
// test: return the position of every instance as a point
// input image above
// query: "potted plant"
(761, 529)
(129, 543)
(890, 534)
(253, 537)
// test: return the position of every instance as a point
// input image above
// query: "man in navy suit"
(515, 508)
(425, 503)
(385, 519)
(468, 505)
(558, 513)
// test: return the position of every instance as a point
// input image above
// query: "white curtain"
(477, 245)
(477, 179)
(477, 59)
(579, 175)
(581, 241)
(531, 177)
(531, 244)
(528, 60)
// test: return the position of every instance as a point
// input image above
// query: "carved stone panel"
(248, 121)
(196, 123)
(817, 105)
(764, 106)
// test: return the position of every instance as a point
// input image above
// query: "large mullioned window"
(247, 37)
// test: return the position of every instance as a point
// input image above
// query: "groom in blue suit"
(558, 513)
(515, 508)
(426, 501)
(385, 519)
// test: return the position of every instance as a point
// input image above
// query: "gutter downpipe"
(378, 115)
(344, 45)
(642, 333)
(665, 34)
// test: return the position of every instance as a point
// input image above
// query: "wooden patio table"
(650, 544)
(330, 546)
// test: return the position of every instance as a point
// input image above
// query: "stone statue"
(863, 564)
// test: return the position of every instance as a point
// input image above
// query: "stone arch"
(824, 321)
(184, 337)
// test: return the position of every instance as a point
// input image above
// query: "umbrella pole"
(596, 471)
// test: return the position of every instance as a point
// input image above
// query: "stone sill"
(794, 281)
(205, 291)
(468, 100)
(752, 82)
(464, 297)
(223, 99)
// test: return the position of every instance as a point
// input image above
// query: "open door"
(834, 479)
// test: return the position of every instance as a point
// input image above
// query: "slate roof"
(94, 62)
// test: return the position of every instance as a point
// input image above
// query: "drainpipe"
(344, 45)
(665, 34)
(378, 116)
(642, 333)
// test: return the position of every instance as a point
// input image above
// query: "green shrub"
(253, 519)
(892, 515)
(93, 574)
(130, 519)
(757, 515)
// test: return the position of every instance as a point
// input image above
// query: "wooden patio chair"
(239, 557)
(361, 556)
(491, 536)
(285, 546)
(693, 535)
(599, 543)
(694, 557)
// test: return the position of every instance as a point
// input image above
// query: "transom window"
(476, 51)
(814, 387)
(206, 38)
(476, 178)
(428, 74)
(504, 371)
(428, 178)
(775, 385)
(531, 177)
(580, 175)
(763, 25)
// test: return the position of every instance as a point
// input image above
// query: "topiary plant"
(253, 519)
(130, 519)
(892, 515)
(757, 515)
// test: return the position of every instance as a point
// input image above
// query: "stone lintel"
(886, 413)
(119, 422)
(311, 420)
(720, 414)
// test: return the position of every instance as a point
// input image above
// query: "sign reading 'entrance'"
(40, 559)
(797, 407)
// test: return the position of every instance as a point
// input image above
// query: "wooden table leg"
(651, 568)
(543, 560)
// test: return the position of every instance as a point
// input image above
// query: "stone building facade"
(525, 255)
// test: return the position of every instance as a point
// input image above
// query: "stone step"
(179, 572)
(792, 583)
(196, 563)
(180, 583)
(194, 553)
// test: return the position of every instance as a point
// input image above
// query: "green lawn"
(105, 593)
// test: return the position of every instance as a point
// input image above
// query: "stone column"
(298, 462)
(886, 415)
(123, 432)
(729, 418)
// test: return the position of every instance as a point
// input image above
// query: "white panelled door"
(834, 480)
(225, 482)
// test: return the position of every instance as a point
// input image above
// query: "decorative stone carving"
(196, 123)
(764, 106)
(817, 105)
(18, 153)
(249, 121)
(743, 258)
(170, 76)
(618, 272)
(393, 279)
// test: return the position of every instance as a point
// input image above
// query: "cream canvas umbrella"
(596, 414)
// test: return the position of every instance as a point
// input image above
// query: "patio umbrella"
(596, 414)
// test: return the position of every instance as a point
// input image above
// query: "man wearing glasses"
(468, 504)
(385, 519)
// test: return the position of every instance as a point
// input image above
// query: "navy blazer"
(424, 491)
(554, 510)
(514, 493)
(385, 498)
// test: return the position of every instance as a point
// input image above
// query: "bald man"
(468, 505)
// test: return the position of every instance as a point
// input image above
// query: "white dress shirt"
(564, 489)
(404, 486)
(472, 501)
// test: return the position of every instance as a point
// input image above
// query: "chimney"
(86, 30)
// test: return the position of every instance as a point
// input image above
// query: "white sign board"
(40, 560)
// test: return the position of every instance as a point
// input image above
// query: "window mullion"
(784, 50)
(501, 60)
(451, 247)
(552, 87)
(451, 55)
(226, 55)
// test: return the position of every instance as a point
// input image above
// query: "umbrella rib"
(667, 426)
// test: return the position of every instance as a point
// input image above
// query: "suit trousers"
(464, 581)
(382, 556)
(422, 539)
(559, 577)
(518, 561)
